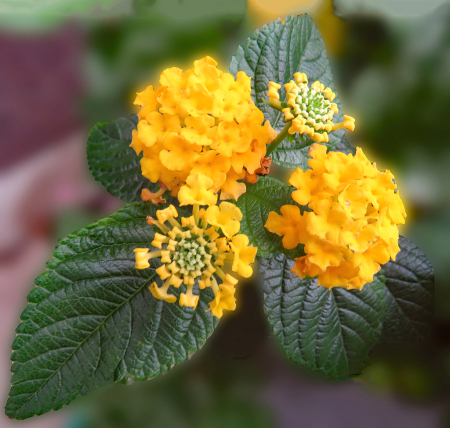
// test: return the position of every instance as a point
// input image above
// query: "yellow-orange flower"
(226, 217)
(351, 227)
(197, 249)
(224, 297)
(200, 120)
(290, 224)
(197, 191)
(244, 255)
(309, 110)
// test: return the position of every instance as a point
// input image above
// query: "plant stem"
(275, 104)
(278, 139)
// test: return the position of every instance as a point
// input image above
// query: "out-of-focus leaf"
(327, 331)
(267, 194)
(409, 295)
(275, 53)
(192, 10)
(113, 162)
(64, 7)
(91, 319)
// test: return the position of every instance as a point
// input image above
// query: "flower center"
(190, 257)
(313, 105)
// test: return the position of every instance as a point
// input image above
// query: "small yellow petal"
(142, 258)
(226, 217)
(244, 255)
(197, 191)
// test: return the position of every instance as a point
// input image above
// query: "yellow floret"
(197, 191)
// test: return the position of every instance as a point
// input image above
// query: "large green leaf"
(409, 295)
(275, 53)
(113, 163)
(327, 331)
(91, 319)
(267, 194)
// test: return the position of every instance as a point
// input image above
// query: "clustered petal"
(201, 121)
(309, 110)
(196, 250)
(351, 227)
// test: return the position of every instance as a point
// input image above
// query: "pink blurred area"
(43, 170)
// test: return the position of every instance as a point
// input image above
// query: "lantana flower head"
(201, 120)
(310, 110)
(196, 249)
(350, 228)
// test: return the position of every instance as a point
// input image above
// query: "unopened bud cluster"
(310, 110)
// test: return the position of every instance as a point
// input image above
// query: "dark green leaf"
(91, 319)
(409, 295)
(275, 53)
(267, 194)
(327, 331)
(113, 163)
(344, 146)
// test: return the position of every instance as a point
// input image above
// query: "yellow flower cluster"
(309, 110)
(201, 121)
(198, 247)
(351, 227)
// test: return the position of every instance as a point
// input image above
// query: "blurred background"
(67, 64)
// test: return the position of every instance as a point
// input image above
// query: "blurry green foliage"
(397, 78)
(404, 370)
(191, 10)
(188, 399)
(62, 7)
(387, 7)
(39, 15)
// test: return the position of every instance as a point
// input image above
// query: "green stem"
(278, 139)
(275, 104)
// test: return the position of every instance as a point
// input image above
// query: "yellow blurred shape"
(331, 27)
(281, 7)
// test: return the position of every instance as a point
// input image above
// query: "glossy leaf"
(113, 163)
(91, 319)
(409, 295)
(327, 331)
(267, 194)
(274, 53)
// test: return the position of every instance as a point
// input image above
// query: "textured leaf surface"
(275, 53)
(409, 295)
(267, 194)
(327, 331)
(113, 163)
(91, 319)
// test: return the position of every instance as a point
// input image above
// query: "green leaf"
(327, 331)
(275, 53)
(64, 7)
(92, 321)
(267, 194)
(113, 163)
(409, 295)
